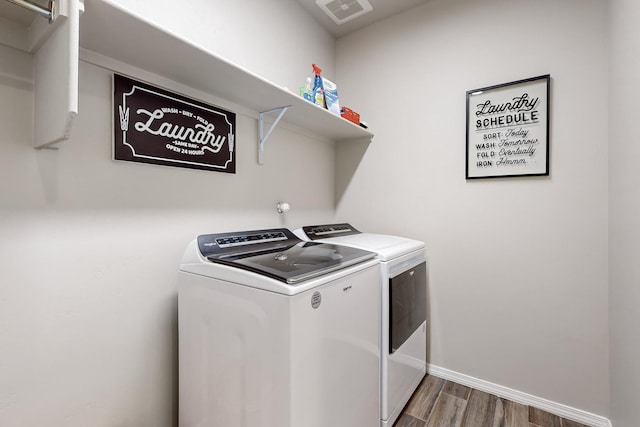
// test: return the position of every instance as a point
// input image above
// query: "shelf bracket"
(263, 137)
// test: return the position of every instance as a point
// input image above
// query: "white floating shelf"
(108, 29)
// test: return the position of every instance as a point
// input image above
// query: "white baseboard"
(562, 411)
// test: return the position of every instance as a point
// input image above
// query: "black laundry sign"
(152, 125)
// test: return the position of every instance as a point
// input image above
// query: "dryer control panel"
(316, 232)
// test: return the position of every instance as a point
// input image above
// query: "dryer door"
(407, 304)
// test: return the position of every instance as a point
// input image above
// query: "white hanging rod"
(46, 12)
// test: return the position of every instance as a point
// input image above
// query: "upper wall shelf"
(108, 29)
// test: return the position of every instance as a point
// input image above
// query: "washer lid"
(299, 262)
(279, 254)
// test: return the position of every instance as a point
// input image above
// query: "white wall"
(518, 267)
(89, 247)
(624, 206)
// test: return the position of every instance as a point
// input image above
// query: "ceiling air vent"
(341, 11)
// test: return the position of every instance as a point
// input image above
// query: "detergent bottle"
(306, 91)
(318, 88)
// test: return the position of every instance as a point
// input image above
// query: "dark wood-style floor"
(441, 403)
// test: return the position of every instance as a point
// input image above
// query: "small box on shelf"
(349, 114)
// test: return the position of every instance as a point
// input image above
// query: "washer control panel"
(239, 242)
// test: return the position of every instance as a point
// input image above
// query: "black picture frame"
(508, 129)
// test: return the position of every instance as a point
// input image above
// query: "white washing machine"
(403, 281)
(277, 332)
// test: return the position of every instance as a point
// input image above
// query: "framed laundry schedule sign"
(508, 129)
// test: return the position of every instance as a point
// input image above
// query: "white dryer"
(277, 332)
(403, 284)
